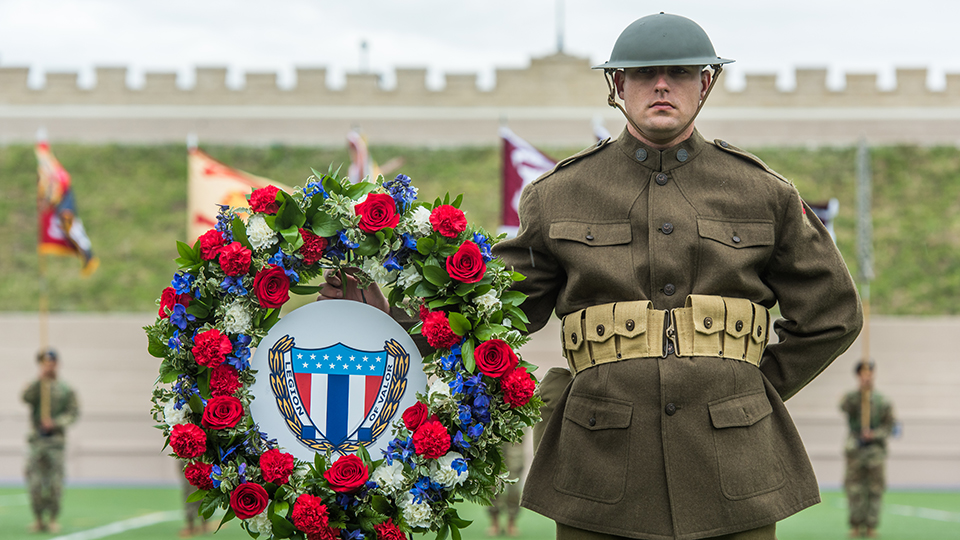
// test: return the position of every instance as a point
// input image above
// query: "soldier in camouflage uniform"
(866, 454)
(53, 407)
(508, 502)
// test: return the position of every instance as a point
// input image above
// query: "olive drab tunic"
(672, 447)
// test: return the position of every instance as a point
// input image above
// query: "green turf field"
(152, 514)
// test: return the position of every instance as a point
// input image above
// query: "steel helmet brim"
(662, 40)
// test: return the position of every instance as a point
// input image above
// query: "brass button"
(600, 329)
(736, 239)
(662, 179)
(682, 155)
(641, 154)
(739, 326)
(630, 324)
(707, 322)
(573, 338)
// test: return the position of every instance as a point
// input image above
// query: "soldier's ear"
(618, 82)
(705, 77)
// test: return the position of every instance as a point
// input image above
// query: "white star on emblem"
(313, 357)
(352, 358)
(318, 366)
(358, 366)
(378, 359)
(305, 364)
(332, 366)
(344, 366)
(372, 368)
(365, 358)
(299, 357)
(326, 357)
(339, 357)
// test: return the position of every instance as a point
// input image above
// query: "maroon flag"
(522, 164)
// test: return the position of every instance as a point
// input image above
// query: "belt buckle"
(669, 333)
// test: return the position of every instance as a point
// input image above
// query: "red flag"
(60, 230)
(522, 164)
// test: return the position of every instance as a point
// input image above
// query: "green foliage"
(132, 200)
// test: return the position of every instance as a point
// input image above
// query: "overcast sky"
(450, 36)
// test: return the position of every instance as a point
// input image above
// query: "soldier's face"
(661, 100)
(48, 368)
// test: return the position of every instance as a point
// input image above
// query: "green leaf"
(157, 349)
(198, 310)
(516, 313)
(280, 507)
(230, 515)
(355, 191)
(512, 298)
(435, 274)
(425, 245)
(381, 504)
(459, 324)
(368, 246)
(456, 202)
(465, 288)
(272, 317)
(282, 528)
(209, 506)
(443, 532)
(289, 215)
(425, 290)
(324, 225)
(197, 495)
(305, 289)
(469, 363)
(196, 404)
(292, 237)
(517, 276)
(186, 252)
(240, 233)
(169, 377)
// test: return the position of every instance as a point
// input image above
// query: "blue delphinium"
(179, 317)
(399, 188)
(314, 188)
(483, 243)
(234, 285)
(182, 282)
(240, 359)
(425, 489)
(288, 263)
(225, 223)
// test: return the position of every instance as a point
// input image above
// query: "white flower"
(173, 416)
(487, 302)
(420, 221)
(260, 234)
(237, 319)
(389, 477)
(375, 270)
(261, 523)
(439, 389)
(409, 276)
(416, 514)
(353, 204)
(443, 473)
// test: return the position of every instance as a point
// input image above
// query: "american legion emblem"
(332, 376)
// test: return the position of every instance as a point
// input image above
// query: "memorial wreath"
(227, 294)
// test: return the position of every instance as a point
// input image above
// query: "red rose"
(249, 500)
(466, 265)
(211, 242)
(517, 386)
(495, 357)
(448, 221)
(436, 328)
(235, 259)
(170, 298)
(272, 287)
(379, 211)
(415, 416)
(224, 380)
(347, 475)
(388, 531)
(222, 412)
(276, 466)
(211, 348)
(313, 246)
(264, 200)
(431, 440)
(188, 441)
(198, 474)
(310, 514)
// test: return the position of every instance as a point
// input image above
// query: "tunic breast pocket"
(731, 245)
(594, 447)
(599, 244)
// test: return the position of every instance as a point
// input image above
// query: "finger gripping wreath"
(227, 294)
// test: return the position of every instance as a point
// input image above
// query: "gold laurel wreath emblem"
(398, 385)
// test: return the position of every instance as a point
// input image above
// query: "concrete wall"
(550, 102)
(104, 357)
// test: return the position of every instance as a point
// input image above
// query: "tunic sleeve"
(817, 297)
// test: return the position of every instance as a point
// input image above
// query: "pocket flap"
(572, 332)
(598, 323)
(739, 316)
(761, 324)
(592, 234)
(596, 413)
(709, 312)
(737, 234)
(631, 318)
(740, 411)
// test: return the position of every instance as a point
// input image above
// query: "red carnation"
(313, 246)
(415, 416)
(170, 298)
(276, 466)
(310, 514)
(424, 311)
(388, 531)
(235, 259)
(211, 242)
(249, 500)
(448, 221)
(222, 412)
(347, 475)
(211, 348)
(272, 286)
(188, 441)
(224, 380)
(431, 440)
(517, 386)
(466, 265)
(326, 533)
(198, 474)
(436, 328)
(264, 200)
(379, 211)
(495, 357)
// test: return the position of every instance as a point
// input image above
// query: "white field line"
(125, 525)
(13, 500)
(925, 513)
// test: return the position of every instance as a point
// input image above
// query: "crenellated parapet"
(553, 81)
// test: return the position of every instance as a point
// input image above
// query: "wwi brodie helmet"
(661, 40)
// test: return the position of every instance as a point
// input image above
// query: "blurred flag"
(826, 211)
(212, 183)
(60, 230)
(361, 163)
(522, 164)
(599, 130)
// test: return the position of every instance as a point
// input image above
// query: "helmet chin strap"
(612, 101)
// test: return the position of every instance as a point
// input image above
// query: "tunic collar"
(661, 160)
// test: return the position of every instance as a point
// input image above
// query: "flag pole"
(865, 260)
(44, 304)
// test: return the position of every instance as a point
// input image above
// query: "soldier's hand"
(334, 288)
(47, 425)
(867, 436)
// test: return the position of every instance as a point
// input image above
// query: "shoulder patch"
(724, 145)
(585, 152)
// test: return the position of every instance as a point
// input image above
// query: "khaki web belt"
(707, 326)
